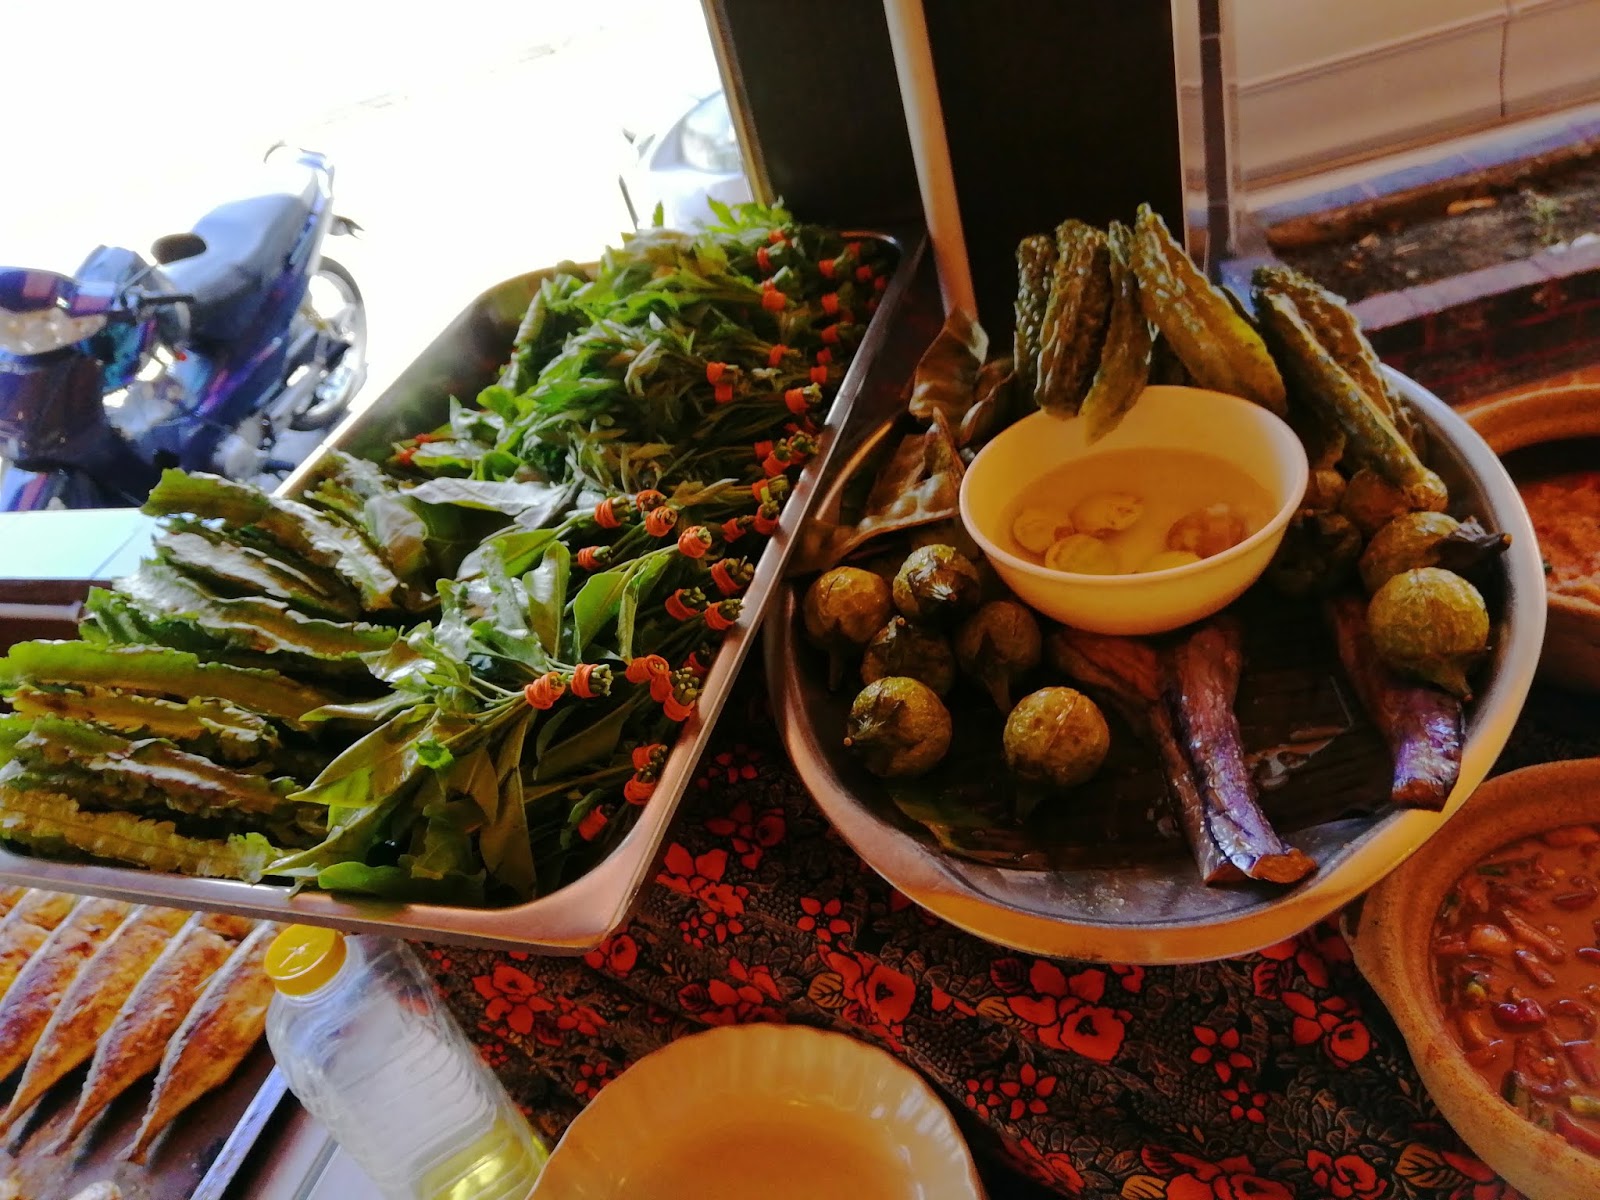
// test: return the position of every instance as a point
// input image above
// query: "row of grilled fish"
(138, 989)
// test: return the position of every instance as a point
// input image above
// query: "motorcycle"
(238, 333)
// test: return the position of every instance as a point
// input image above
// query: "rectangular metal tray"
(460, 362)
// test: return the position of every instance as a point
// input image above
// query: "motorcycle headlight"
(708, 140)
(44, 330)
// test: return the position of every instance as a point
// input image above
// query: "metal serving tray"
(460, 362)
(1157, 911)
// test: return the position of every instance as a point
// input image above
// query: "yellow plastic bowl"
(1177, 418)
(783, 1112)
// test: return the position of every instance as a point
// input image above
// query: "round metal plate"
(1160, 912)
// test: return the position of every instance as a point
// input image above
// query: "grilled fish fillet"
(37, 991)
(9, 897)
(222, 1027)
(91, 1003)
(235, 929)
(131, 1048)
(41, 908)
(24, 929)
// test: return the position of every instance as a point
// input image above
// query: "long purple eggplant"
(1232, 832)
(1184, 706)
(1422, 725)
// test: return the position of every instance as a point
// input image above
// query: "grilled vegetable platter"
(1181, 796)
(452, 672)
(132, 1045)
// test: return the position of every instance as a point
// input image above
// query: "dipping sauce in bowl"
(1180, 452)
(1128, 512)
(1516, 955)
(1565, 510)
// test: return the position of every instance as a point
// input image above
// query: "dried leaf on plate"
(990, 408)
(917, 485)
(947, 374)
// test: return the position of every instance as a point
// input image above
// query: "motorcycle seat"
(246, 245)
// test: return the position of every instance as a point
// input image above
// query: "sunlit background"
(473, 140)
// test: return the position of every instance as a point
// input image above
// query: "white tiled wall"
(1552, 53)
(1323, 80)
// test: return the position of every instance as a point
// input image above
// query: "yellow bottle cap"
(303, 958)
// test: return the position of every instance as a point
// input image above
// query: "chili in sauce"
(1516, 955)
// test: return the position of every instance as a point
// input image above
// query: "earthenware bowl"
(1391, 945)
(1571, 654)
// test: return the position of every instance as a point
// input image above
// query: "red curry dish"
(1565, 510)
(1516, 954)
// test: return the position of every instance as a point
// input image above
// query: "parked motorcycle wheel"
(334, 302)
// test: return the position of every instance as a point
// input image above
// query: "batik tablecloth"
(1276, 1076)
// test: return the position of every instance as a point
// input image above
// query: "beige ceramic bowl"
(1178, 418)
(1391, 947)
(776, 1111)
(1571, 654)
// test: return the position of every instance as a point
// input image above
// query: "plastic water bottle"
(367, 1047)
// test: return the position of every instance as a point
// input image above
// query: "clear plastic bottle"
(359, 1032)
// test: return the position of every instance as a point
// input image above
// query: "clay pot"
(1391, 948)
(1571, 656)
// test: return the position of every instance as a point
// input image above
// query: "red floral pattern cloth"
(1271, 1077)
